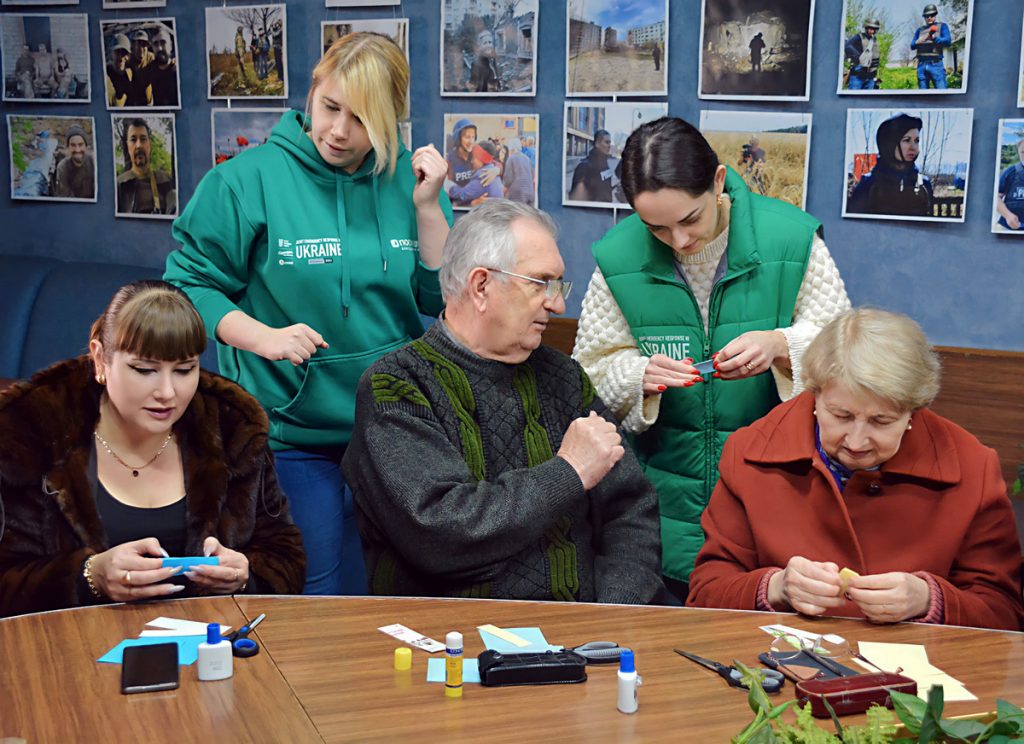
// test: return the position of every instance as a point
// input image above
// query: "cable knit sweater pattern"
(606, 348)
(459, 492)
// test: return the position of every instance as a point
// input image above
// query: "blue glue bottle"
(215, 659)
(629, 680)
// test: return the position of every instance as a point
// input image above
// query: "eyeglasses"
(552, 287)
(806, 657)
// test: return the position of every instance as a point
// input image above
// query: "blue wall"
(965, 285)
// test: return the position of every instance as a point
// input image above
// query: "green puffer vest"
(769, 246)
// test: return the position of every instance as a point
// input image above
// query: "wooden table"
(325, 673)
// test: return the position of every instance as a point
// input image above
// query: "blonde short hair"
(374, 74)
(878, 352)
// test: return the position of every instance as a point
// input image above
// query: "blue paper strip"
(188, 648)
(470, 671)
(188, 562)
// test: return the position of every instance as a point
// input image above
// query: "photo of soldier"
(755, 49)
(246, 52)
(907, 164)
(45, 58)
(489, 53)
(144, 166)
(908, 47)
(52, 158)
(141, 63)
(863, 52)
(930, 42)
(1008, 200)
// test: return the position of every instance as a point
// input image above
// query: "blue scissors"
(241, 645)
(771, 681)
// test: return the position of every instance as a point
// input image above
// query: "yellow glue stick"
(453, 665)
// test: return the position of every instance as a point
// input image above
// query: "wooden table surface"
(325, 673)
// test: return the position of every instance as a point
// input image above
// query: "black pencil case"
(548, 668)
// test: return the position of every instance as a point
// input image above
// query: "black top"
(124, 523)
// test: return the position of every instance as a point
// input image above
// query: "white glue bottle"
(453, 665)
(629, 680)
(214, 656)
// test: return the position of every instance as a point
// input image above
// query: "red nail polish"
(688, 360)
(688, 384)
(661, 388)
(714, 355)
(716, 375)
(698, 379)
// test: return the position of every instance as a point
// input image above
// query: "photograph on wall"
(133, 4)
(491, 156)
(358, 3)
(246, 49)
(145, 166)
(38, 2)
(907, 164)
(491, 54)
(1020, 71)
(1008, 192)
(756, 50)
(235, 130)
(617, 48)
(140, 61)
(53, 158)
(45, 57)
(771, 150)
(595, 133)
(397, 29)
(904, 47)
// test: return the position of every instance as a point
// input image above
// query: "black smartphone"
(149, 668)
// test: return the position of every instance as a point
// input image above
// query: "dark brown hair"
(667, 153)
(153, 320)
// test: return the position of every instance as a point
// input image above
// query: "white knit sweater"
(606, 349)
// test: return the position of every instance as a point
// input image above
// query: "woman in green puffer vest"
(703, 270)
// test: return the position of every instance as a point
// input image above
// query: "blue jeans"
(862, 83)
(931, 71)
(321, 505)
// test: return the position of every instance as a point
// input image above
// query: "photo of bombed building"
(613, 50)
(487, 47)
(756, 49)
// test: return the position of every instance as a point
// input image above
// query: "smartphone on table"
(149, 668)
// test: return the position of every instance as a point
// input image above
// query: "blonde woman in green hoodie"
(311, 257)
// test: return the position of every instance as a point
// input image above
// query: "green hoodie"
(286, 238)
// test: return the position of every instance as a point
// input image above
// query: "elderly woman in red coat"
(857, 473)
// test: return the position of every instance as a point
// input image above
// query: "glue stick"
(453, 665)
(629, 680)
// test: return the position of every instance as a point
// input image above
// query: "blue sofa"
(47, 307)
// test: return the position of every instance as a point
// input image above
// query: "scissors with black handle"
(771, 680)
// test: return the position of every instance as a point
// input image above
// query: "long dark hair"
(667, 153)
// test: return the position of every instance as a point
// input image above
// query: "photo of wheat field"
(769, 150)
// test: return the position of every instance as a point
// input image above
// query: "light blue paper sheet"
(470, 671)
(188, 648)
(538, 644)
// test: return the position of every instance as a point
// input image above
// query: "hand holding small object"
(750, 354)
(809, 587)
(592, 445)
(890, 597)
(231, 575)
(663, 372)
(294, 343)
(127, 571)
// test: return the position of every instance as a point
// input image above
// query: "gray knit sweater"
(459, 493)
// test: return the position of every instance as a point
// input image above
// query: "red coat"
(939, 505)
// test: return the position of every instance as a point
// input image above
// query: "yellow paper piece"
(913, 658)
(846, 575)
(504, 635)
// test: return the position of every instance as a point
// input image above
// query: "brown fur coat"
(49, 523)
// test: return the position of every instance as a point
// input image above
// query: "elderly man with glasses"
(482, 462)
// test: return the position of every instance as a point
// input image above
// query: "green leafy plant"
(922, 721)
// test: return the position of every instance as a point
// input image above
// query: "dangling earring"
(719, 200)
